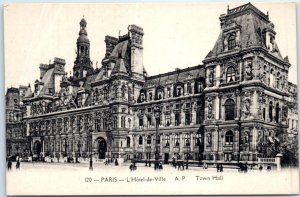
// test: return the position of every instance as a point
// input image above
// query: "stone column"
(255, 107)
(172, 116)
(218, 75)
(182, 117)
(217, 108)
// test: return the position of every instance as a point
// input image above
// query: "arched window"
(231, 42)
(229, 109)
(271, 111)
(148, 140)
(140, 140)
(128, 141)
(230, 75)
(177, 140)
(187, 139)
(229, 137)
(277, 113)
(167, 140)
(198, 139)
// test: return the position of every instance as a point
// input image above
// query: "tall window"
(198, 139)
(230, 75)
(115, 122)
(277, 113)
(198, 117)
(229, 137)
(229, 109)
(141, 122)
(271, 111)
(177, 119)
(177, 140)
(149, 140)
(169, 92)
(189, 88)
(187, 139)
(149, 121)
(231, 42)
(128, 141)
(140, 140)
(187, 118)
(123, 121)
(168, 120)
(167, 140)
(158, 139)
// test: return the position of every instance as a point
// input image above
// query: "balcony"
(228, 148)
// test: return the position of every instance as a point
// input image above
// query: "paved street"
(68, 178)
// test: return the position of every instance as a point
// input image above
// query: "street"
(68, 178)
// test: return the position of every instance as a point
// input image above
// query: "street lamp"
(91, 152)
(187, 153)
(157, 116)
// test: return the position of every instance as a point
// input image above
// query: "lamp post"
(187, 154)
(91, 152)
(157, 116)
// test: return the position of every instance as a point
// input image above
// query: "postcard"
(151, 99)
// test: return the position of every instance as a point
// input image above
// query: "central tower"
(82, 64)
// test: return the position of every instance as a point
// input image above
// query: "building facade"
(236, 106)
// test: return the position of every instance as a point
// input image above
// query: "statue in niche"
(248, 70)
(208, 138)
(247, 107)
(209, 106)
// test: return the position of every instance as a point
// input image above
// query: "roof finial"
(267, 13)
(228, 7)
(119, 33)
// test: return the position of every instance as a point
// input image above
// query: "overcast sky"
(176, 35)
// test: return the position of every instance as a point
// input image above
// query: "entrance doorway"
(166, 161)
(102, 148)
(37, 148)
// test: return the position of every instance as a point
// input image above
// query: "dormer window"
(189, 88)
(169, 92)
(142, 97)
(231, 41)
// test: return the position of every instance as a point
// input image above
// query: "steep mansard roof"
(251, 24)
(176, 76)
(47, 80)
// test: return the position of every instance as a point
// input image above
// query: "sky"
(176, 35)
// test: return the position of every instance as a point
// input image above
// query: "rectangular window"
(177, 119)
(115, 122)
(168, 120)
(149, 123)
(141, 122)
(187, 118)
(198, 117)
(123, 121)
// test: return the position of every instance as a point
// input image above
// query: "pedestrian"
(175, 164)
(146, 164)
(260, 168)
(179, 166)
(182, 166)
(269, 167)
(218, 167)
(116, 162)
(221, 168)
(18, 165)
(9, 165)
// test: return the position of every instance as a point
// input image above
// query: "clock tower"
(82, 64)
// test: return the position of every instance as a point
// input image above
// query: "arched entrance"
(37, 147)
(101, 148)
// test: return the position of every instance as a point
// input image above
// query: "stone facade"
(234, 107)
